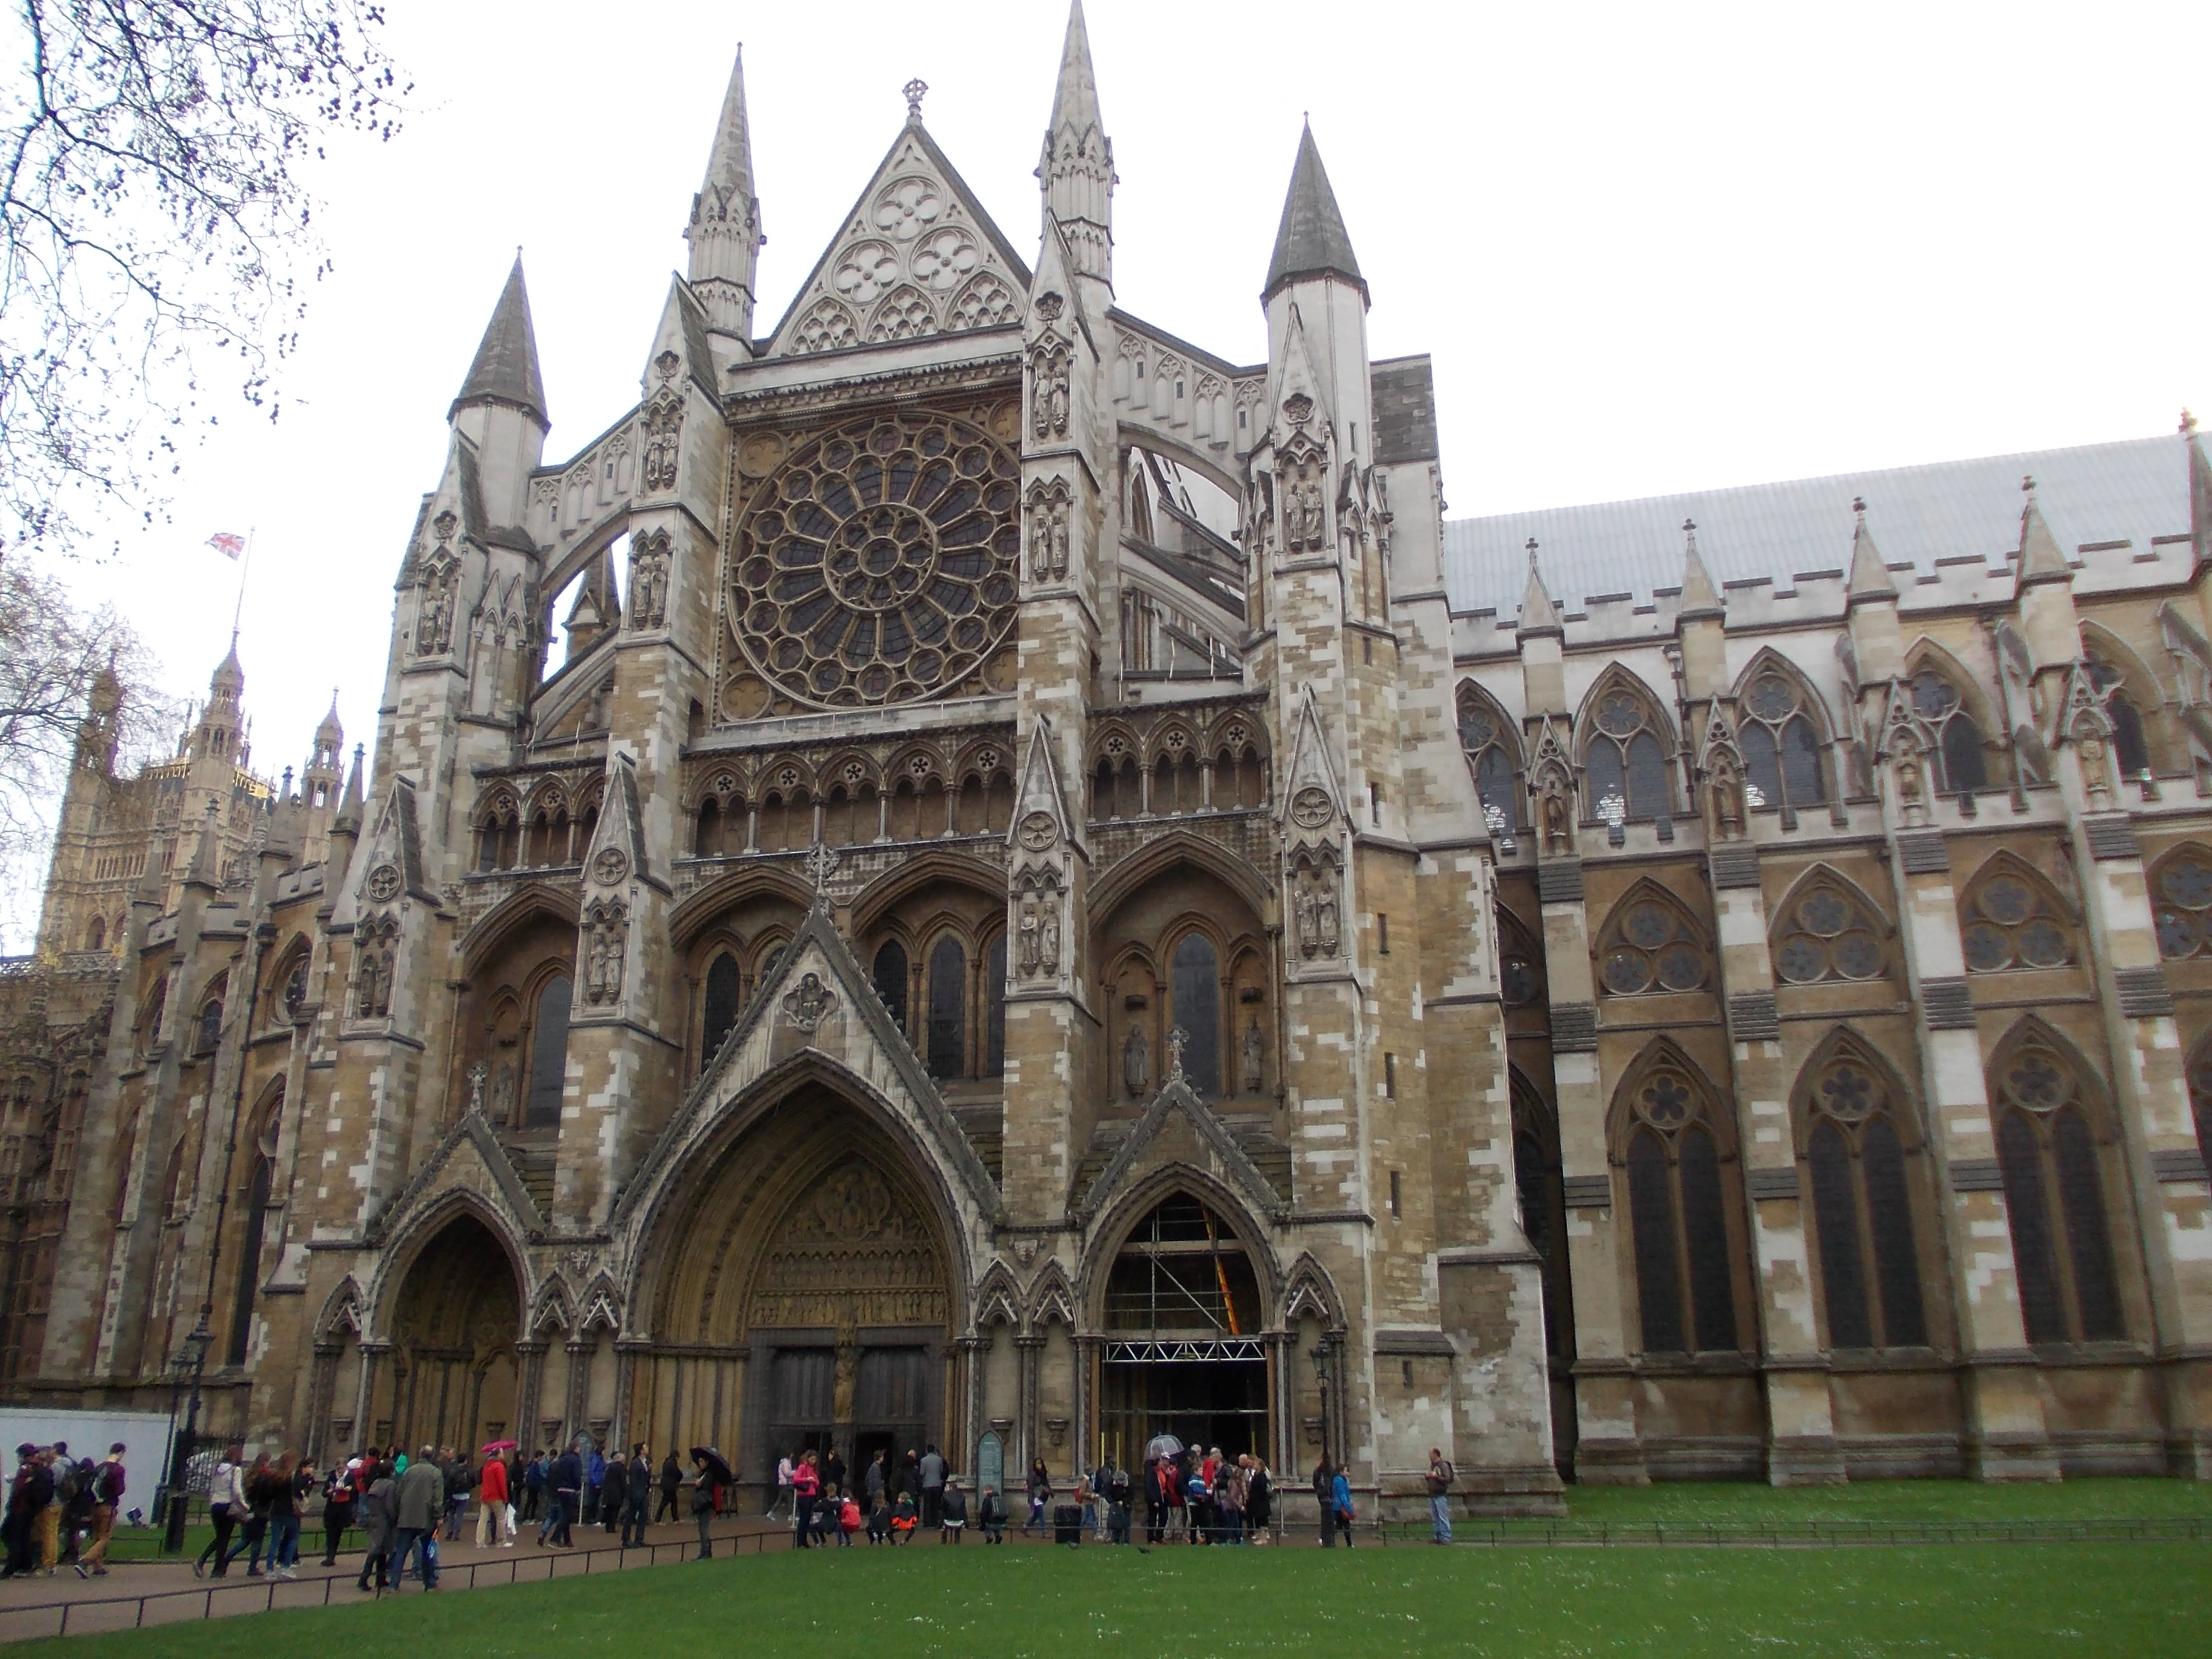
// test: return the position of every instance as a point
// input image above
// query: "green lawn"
(1734, 1504)
(926, 1599)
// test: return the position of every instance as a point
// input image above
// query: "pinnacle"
(1075, 98)
(1699, 597)
(729, 180)
(506, 367)
(1311, 240)
(2040, 559)
(1538, 614)
(1869, 576)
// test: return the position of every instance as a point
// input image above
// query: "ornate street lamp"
(186, 1367)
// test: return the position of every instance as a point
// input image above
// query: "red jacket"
(804, 1482)
(494, 1490)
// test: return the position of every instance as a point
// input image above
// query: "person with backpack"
(992, 1515)
(1119, 1490)
(1440, 1478)
(73, 1479)
(106, 1490)
(460, 1480)
(702, 1503)
(953, 1515)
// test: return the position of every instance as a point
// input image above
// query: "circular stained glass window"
(2007, 900)
(879, 564)
(1987, 948)
(1802, 960)
(1681, 969)
(1647, 926)
(1772, 698)
(1857, 956)
(1627, 972)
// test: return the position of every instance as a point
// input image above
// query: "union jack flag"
(230, 546)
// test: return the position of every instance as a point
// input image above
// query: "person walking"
(637, 1501)
(107, 1488)
(254, 1526)
(1324, 1492)
(495, 1519)
(29, 1496)
(785, 1469)
(932, 1490)
(873, 1483)
(1040, 1496)
(567, 1491)
(339, 1497)
(806, 1486)
(533, 1486)
(595, 1479)
(1440, 1477)
(1340, 1496)
(287, 1505)
(379, 1524)
(1259, 1499)
(702, 1503)
(460, 1480)
(671, 1478)
(226, 1508)
(420, 1505)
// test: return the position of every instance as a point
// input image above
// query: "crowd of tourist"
(61, 1511)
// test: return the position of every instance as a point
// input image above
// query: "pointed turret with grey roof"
(1870, 577)
(1311, 240)
(505, 371)
(2040, 559)
(1076, 171)
(1539, 615)
(724, 232)
(1700, 599)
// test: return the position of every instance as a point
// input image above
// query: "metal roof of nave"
(2097, 495)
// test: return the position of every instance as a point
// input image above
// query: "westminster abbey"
(1052, 897)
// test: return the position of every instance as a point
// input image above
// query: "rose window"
(879, 564)
(1829, 937)
(1652, 952)
(2010, 926)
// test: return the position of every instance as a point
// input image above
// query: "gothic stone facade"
(1051, 895)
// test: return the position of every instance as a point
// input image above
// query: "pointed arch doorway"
(454, 1377)
(1182, 1353)
(806, 1299)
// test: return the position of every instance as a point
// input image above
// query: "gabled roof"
(1311, 240)
(2136, 490)
(506, 367)
(886, 275)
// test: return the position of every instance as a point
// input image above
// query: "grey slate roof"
(1404, 397)
(2132, 491)
(1311, 240)
(506, 367)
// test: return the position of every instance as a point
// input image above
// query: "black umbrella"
(717, 1471)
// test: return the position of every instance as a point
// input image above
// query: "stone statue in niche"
(1908, 775)
(434, 628)
(1026, 954)
(1049, 936)
(1049, 535)
(502, 1093)
(1049, 393)
(648, 580)
(1177, 1040)
(1308, 916)
(1557, 819)
(604, 952)
(2094, 771)
(1325, 911)
(848, 1372)
(1303, 514)
(1254, 1057)
(1728, 800)
(1136, 1063)
(663, 425)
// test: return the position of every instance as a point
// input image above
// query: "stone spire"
(1539, 616)
(724, 232)
(505, 371)
(1869, 576)
(2040, 559)
(1076, 171)
(596, 611)
(217, 731)
(1311, 240)
(1699, 597)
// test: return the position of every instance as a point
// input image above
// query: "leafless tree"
(155, 219)
(51, 652)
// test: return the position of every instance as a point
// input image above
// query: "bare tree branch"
(153, 210)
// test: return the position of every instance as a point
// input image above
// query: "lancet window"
(1520, 962)
(2054, 1186)
(1780, 744)
(2128, 748)
(549, 1055)
(2012, 923)
(1677, 1212)
(1827, 933)
(1486, 740)
(1624, 759)
(1961, 764)
(719, 1008)
(1856, 1151)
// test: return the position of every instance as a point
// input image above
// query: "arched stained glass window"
(2184, 897)
(889, 975)
(1828, 934)
(1962, 764)
(994, 1008)
(948, 1009)
(1488, 743)
(1625, 761)
(2010, 922)
(1781, 745)
(249, 1261)
(1520, 962)
(719, 1008)
(2054, 1190)
(1863, 1210)
(1195, 972)
(549, 1056)
(1678, 1217)
(2128, 748)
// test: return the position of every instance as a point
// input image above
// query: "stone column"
(365, 1427)
(1027, 1432)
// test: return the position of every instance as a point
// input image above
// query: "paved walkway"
(136, 1593)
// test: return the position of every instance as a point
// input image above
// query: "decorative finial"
(821, 864)
(915, 91)
(2187, 424)
(1177, 1037)
(1858, 506)
(1532, 552)
(2027, 487)
(1690, 533)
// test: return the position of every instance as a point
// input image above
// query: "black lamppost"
(1321, 1376)
(186, 1367)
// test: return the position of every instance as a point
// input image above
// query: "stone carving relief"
(1038, 953)
(663, 431)
(1136, 1063)
(1047, 531)
(1318, 908)
(852, 1252)
(1306, 520)
(809, 1003)
(606, 944)
(649, 555)
(434, 622)
(1253, 1058)
(1048, 381)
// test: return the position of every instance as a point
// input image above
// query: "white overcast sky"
(1650, 247)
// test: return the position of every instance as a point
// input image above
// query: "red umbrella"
(497, 1446)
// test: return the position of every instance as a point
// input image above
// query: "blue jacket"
(1341, 1494)
(597, 1477)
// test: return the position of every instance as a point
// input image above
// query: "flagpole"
(246, 563)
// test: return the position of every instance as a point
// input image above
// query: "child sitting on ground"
(903, 1518)
(954, 1516)
(994, 1516)
(879, 1522)
(848, 1521)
